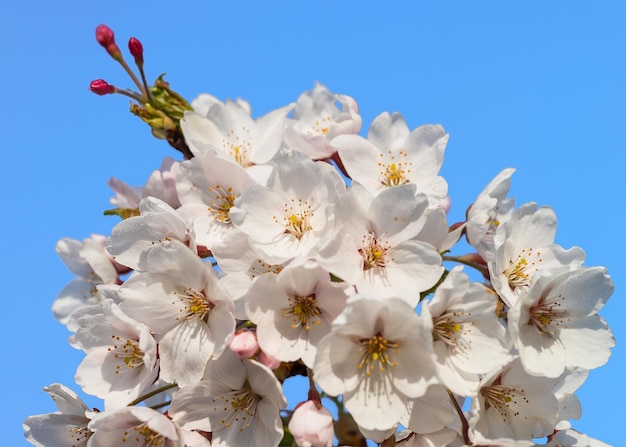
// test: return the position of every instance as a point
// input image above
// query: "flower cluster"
(291, 245)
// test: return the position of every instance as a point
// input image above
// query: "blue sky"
(539, 86)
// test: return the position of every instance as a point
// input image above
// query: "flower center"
(450, 329)
(303, 311)
(239, 407)
(128, 352)
(260, 267)
(548, 316)
(394, 172)
(375, 353)
(373, 251)
(505, 400)
(320, 127)
(79, 434)
(222, 202)
(296, 218)
(238, 146)
(194, 304)
(521, 270)
(144, 436)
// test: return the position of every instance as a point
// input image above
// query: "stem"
(152, 393)
(134, 78)
(131, 95)
(313, 393)
(145, 83)
(464, 423)
(480, 267)
(161, 405)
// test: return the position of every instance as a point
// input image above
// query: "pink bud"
(312, 425)
(244, 344)
(101, 87)
(136, 49)
(106, 38)
(268, 360)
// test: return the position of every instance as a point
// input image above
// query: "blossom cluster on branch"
(289, 245)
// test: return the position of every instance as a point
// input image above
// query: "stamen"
(128, 352)
(394, 172)
(239, 146)
(221, 204)
(303, 311)
(373, 251)
(194, 304)
(296, 218)
(522, 269)
(549, 317)
(144, 436)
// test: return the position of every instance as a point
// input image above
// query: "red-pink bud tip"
(101, 87)
(136, 49)
(105, 36)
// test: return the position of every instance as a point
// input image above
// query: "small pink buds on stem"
(106, 38)
(101, 87)
(136, 49)
(159, 106)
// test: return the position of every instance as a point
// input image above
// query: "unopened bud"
(101, 87)
(136, 49)
(312, 425)
(106, 38)
(244, 344)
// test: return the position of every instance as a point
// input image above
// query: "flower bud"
(106, 38)
(136, 49)
(268, 360)
(244, 344)
(312, 425)
(101, 87)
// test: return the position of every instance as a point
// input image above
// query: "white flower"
(317, 120)
(157, 224)
(140, 427)
(293, 310)
(488, 211)
(311, 425)
(208, 186)
(524, 246)
(92, 265)
(372, 247)
(468, 337)
(239, 401)
(290, 216)
(555, 325)
(229, 129)
(183, 304)
(121, 359)
(66, 427)
(379, 354)
(513, 404)
(392, 155)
